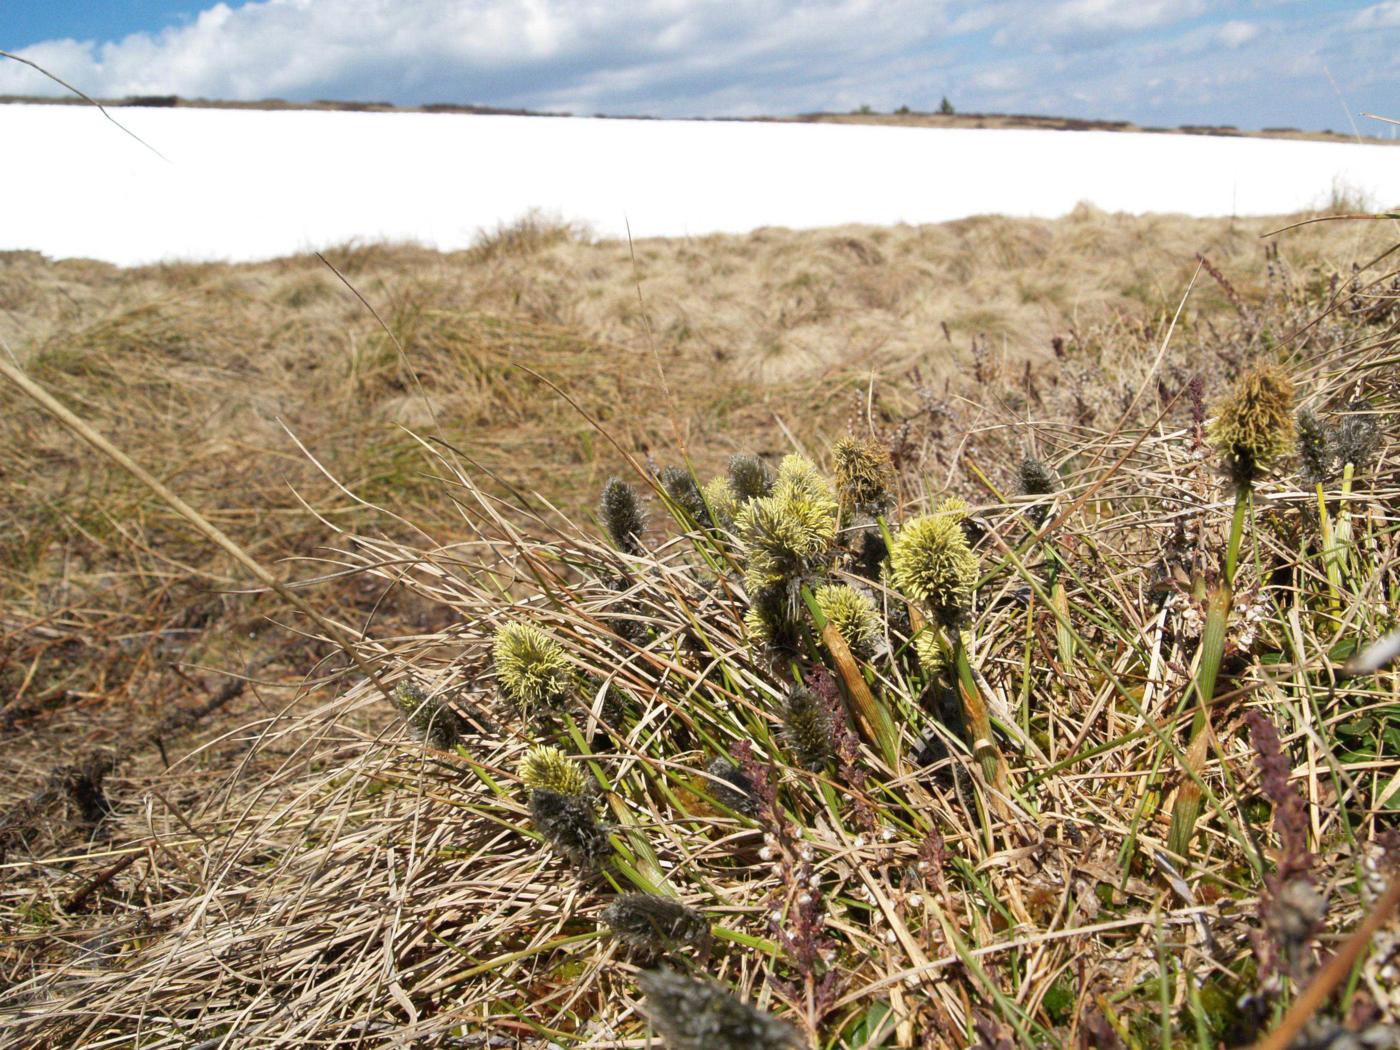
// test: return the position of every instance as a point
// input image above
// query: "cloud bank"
(1247, 62)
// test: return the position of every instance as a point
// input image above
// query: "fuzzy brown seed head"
(430, 718)
(651, 925)
(865, 476)
(570, 825)
(728, 785)
(1313, 448)
(807, 729)
(695, 1014)
(1254, 425)
(933, 564)
(749, 477)
(621, 512)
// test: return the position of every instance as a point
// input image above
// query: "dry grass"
(304, 873)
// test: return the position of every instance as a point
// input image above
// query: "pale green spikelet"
(865, 476)
(569, 823)
(650, 925)
(797, 476)
(532, 668)
(932, 653)
(720, 498)
(853, 614)
(787, 534)
(695, 1014)
(550, 768)
(621, 513)
(1254, 425)
(933, 564)
(807, 728)
(749, 477)
(430, 718)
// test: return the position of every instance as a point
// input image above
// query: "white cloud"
(1233, 34)
(654, 55)
(1246, 62)
(1378, 16)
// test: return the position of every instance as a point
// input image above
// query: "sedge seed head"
(721, 499)
(749, 476)
(430, 718)
(681, 487)
(933, 564)
(865, 475)
(532, 668)
(1313, 448)
(570, 825)
(730, 786)
(1358, 437)
(785, 535)
(1035, 477)
(807, 728)
(621, 513)
(853, 614)
(651, 925)
(1254, 425)
(550, 768)
(696, 1014)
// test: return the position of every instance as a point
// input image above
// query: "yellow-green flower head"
(786, 534)
(532, 667)
(933, 564)
(1254, 425)
(723, 503)
(933, 656)
(550, 768)
(864, 475)
(798, 477)
(853, 614)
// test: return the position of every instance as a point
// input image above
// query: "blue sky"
(1253, 63)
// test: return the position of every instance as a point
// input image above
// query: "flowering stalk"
(872, 718)
(1252, 428)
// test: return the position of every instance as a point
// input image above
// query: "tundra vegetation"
(915, 637)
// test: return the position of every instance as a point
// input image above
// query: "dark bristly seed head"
(621, 512)
(1254, 425)
(685, 493)
(652, 925)
(1035, 477)
(1358, 437)
(1313, 448)
(694, 1014)
(730, 787)
(749, 477)
(807, 728)
(432, 719)
(570, 825)
(865, 476)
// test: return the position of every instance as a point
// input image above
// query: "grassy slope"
(196, 369)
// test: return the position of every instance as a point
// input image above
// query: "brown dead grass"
(116, 619)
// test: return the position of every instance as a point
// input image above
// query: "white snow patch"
(255, 184)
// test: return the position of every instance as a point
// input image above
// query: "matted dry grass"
(309, 874)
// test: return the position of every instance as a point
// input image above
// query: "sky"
(1312, 64)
